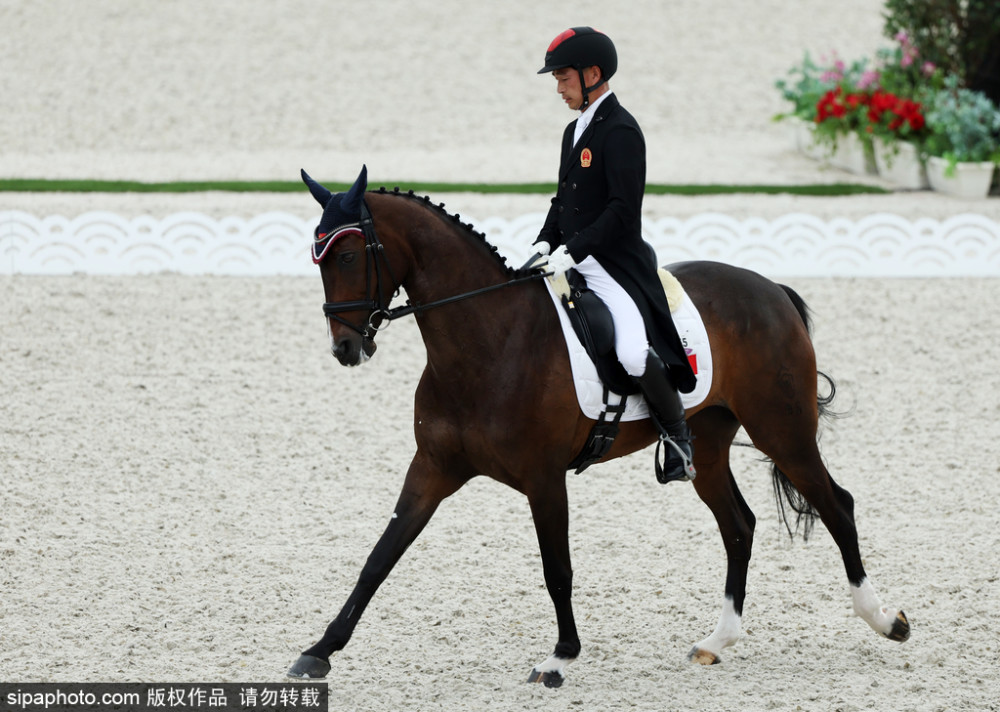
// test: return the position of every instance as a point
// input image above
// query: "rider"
(594, 226)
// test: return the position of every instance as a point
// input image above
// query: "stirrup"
(687, 473)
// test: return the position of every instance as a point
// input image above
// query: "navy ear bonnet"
(341, 212)
(338, 208)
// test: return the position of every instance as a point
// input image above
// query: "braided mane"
(467, 228)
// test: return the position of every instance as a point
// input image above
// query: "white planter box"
(971, 180)
(901, 165)
(850, 155)
(805, 142)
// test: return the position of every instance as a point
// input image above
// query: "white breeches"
(631, 344)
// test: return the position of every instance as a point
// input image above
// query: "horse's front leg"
(425, 487)
(550, 512)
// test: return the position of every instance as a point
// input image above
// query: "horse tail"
(784, 490)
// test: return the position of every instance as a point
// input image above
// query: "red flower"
(834, 104)
(894, 112)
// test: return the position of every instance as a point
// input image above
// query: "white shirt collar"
(587, 116)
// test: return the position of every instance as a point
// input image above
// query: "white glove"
(543, 248)
(561, 260)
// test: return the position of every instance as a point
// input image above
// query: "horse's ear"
(321, 194)
(351, 203)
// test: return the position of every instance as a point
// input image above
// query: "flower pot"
(805, 142)
(970, 180)
(850, 155)
(900, 164)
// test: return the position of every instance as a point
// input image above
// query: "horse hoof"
(308, 667)
(703, 657)
(549, 679)
(900, 628)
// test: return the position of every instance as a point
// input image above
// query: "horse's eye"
(347, 258)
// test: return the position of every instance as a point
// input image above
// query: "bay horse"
(496, 398)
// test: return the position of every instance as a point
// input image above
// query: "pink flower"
(835, 73)
(909, 50)
(928, 69)
(868, 78)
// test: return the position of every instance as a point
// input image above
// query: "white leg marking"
(868, 606)
(553, 664)
(727, 632)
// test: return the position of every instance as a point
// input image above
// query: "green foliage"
(807, 82)
(963, 125)
(803, 88)
(956, 35)
(903, 71)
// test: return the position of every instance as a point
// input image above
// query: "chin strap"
(586, 90)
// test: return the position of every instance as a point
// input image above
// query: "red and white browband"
(324, 240)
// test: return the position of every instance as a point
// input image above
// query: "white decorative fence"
(794, 245)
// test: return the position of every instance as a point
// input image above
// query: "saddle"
(592, 322)
(593, 326)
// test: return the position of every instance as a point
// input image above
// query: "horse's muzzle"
(352, 350)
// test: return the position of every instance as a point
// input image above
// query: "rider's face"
(568, 84)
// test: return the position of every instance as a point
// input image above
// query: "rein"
(378, 306)
(409, 308)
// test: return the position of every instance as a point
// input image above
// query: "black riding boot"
(668, 415)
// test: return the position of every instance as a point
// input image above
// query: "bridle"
(377, 305)
(377, 265)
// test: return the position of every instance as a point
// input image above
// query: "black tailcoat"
(597, 211)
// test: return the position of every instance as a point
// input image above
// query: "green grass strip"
(813, 189)
(32, 185)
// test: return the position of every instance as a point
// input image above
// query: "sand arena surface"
(190, 484)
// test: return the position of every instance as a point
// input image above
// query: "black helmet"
(580, 47)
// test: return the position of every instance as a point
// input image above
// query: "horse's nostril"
(345, 352)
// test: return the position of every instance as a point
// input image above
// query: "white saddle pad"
(690, 328)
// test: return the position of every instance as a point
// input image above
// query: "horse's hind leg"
(835, 507)
(786, 433)
(714, 430)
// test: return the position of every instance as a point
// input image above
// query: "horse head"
(344, 248)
